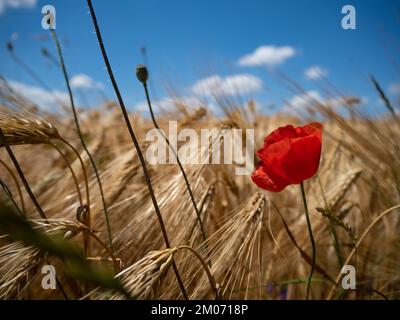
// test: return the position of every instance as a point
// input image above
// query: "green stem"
(16, 184)
(336, 245)
(303, 194)
(335, 238)
(11, 197)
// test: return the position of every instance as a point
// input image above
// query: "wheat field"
(257, 245)
(79, 197)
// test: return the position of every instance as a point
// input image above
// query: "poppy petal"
(302, 161)
(264, 181)
(273, 158)
(279, 135)
(314, 128)
(289, 156)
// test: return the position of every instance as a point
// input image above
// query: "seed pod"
(141, 73)
(81, 213)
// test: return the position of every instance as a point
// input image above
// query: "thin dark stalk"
(136, 143)
(28, 189)
(153, 118)
(303, 254)
(49, 56)
(85, 178)
(33, 75)
(78, 129)
(383, 96)
(107, 249)
(78, 190)
(303, 194)
(16, 184)
(143, 51)
(61, 289)
(87, 197)
(202, 204)
(29, 71)
(206, 269)
(85, 234)
(380, 294)
(60, 286)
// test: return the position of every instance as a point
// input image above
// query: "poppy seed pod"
(141, 73)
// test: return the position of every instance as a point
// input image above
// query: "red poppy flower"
(289, 156)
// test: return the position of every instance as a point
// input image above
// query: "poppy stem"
(303, 194)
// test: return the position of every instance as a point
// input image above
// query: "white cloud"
(315, 72)
(15, 4)
(83, 81)
(234, 85)
(169, 103)
(45, 100)
(268, 56)
(394, 89)
(302, 101)
(208, 88)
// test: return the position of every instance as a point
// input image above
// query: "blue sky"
(195, 46)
